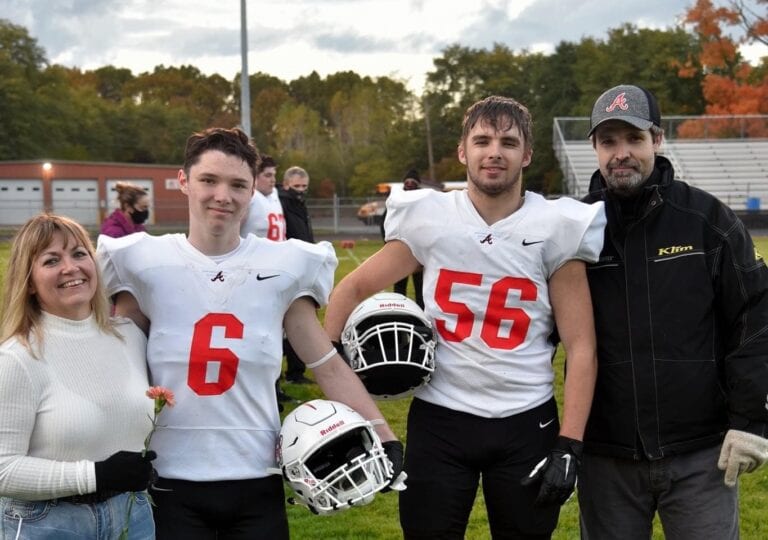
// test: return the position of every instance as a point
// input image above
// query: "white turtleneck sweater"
(80, 401)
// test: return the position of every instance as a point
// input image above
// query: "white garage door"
(112, 195)
(77, 199)
(20, 200)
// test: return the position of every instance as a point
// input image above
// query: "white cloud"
(292, 38)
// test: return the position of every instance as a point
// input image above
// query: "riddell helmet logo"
(619, 101)
(327, 430)
(391, 305)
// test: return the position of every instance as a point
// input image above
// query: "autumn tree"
(731, 85)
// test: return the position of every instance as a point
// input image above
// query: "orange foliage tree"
(730, 85)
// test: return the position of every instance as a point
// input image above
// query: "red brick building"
(85, 191)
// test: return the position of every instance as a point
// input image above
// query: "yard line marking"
(352, 256)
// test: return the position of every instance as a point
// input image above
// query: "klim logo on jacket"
(674, 250)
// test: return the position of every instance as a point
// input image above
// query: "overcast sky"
(291, 38)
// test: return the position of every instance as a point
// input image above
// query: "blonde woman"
(73, 414)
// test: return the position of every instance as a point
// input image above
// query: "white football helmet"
(390, 344)
(331, 456)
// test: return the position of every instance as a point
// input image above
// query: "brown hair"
(128, 194)
(20, 309)
(500, 113)
(233, 142)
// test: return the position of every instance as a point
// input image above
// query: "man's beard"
(625, 185)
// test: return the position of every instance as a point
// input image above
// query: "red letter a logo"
(619, 101)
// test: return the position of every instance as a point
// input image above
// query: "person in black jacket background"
(680, 297)
(411, 181)
(297, 225)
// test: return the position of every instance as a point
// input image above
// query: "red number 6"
(201, 354)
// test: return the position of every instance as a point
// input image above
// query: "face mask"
(296, 193)
(139, 216)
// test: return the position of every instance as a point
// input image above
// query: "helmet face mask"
(331, 457)
(390, 344)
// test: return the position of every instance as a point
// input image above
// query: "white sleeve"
(23, 476)
(577, 233)
(408, 212)
(319, 266)
(592, 240)
(108, 255)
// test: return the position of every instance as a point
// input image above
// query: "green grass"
(379, 521)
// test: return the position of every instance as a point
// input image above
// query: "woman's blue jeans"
(60, 520)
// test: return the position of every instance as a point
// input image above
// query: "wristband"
(323, 360)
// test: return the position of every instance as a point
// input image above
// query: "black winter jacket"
(680, 298)
(297, 222)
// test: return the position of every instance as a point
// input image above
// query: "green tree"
(21, 61)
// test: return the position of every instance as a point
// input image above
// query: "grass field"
(378, 521)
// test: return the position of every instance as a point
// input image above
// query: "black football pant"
(225, 510)
(448, 453)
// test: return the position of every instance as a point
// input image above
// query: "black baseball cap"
(628, 103)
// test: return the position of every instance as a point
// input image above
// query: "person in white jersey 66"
(215, 306)
(265, 216)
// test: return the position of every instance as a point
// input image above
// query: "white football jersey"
(215, 339)
(265, 217)
(486, 291)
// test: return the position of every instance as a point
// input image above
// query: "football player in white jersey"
(502, 270)
(265, 219)
(265, 216)
(215, 307)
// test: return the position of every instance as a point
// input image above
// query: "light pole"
(430, 158)
(245, 85)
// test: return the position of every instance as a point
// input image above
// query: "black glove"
(124, 471)
(557, 472)
(394, 451)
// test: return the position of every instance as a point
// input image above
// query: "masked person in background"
(132, 213)
(298, 225)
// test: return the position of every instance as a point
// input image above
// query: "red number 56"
(496, 309)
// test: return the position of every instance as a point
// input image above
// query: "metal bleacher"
(734, 169)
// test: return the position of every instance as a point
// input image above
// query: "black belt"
(90, 498)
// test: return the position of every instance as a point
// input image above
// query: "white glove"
(741, 452)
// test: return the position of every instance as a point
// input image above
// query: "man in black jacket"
(680, 297)
(297, 225)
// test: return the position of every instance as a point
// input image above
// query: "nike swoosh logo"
(567, 458)
(542, 425)
(259, 277)
(531, 243)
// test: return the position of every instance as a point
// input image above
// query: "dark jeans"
(618, 498)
